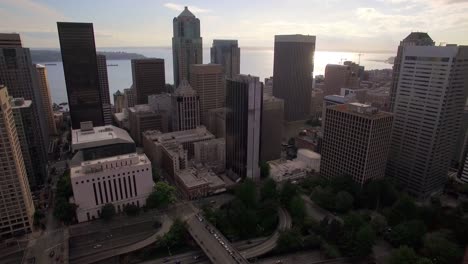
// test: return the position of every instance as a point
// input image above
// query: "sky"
(340, 25)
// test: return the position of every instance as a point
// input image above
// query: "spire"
(186, 13)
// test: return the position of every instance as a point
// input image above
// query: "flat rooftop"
(362, 110)
(93, 166)
(99, 136)
(197, 134)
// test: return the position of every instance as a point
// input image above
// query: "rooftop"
(309, 153)
(335, 98)
(93, 166)
(194, 177)
(186, 13)
(99, 136)
(362, 110)
(180, 136)
(17, 103)
(295, 38)
(185, 89)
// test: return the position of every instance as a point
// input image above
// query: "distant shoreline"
(55, 55)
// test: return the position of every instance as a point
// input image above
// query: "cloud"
(178, 7)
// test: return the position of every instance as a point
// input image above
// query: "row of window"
(114, 190)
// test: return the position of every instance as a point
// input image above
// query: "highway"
(216, 247)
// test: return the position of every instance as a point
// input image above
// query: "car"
(51, 254)
(222, 242)
(97, 246)
(212, 202)
(215, 235)
(196, 257)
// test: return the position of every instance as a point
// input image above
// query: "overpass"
(216, 247)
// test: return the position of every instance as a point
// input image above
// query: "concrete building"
(208, 81)
(142, 118)
(340, 76)
(268, 87)
(292, 72)
(227, 53)
(160, 102)
(243, 124)
(81, 73)
(272, 128)
(119, 101)
(172, 151)
(185, 107)
(316, 103)
(17, 207)
(194, 183)
(428, 108)
(104, 88)
(291, 170)
(107, 169)
(129, 97)
(211, 154)
(413, 39)
(46, 99)
(20, 76)
(331, 100)
(356, 142)
(148, 78)
(311, 159)
(186, 45)
(215, 120)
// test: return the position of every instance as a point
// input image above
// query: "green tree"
(365, 240)
(408, 233)
(344, 201)
(289, 240)
(155, 175)
(131, 210)
(324, 197)
(269, 190)
(107, 211)
(264, 170)
(403, 210)
(288, 191)
(297, 208)
(379, 223)
(64, 211)
(441, 249)
(38, 216)
(247, 193)
(176, 235)
(334, 231)
(344, 183)
(403, 255)
(330, 250)
(162, 196)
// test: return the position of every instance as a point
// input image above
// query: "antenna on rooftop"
(359, 55)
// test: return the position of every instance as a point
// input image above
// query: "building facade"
(340, 76)
(227, 53)
(129, 97)
(16, 204)
(272, 128)
(148, 78)
(211, 153)
(208, 81)
(215, 120)
(428, 108)
(81, 72)
(119, 101)
(46, 99)
(104, 88)
(293, 68)
(243, 124)
(185, 107)
(142, 118)
(186, 45)
(356, 142)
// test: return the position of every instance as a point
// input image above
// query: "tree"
(107, 211)
(334, 231)
(176, 235)
(440, 249)
(324, 197)
(365, 240)
(403, 255)
(343, 201)
(287, 193)
(38, 216)
(403, 210)
(379, 223)
(408, 233)
(247, 193)
(329, 250)
(162, 196)
(344, 183)
(155, 175)
(289, 240)
(131, 210)
(264, 170)
(64, 211)
(297, 208)
(269, 190)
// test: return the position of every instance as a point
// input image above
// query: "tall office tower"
(17, 207)
(20, 76)
(268, 88)
(356, 142)
(119, 101)
(142, 118)
(148, 78)
(458, 155)
(292, 72)
(227, 53)
(428, 108)
(81, 73)
(129, 97)
(413, 39)
(464, 171)
(340, 76)
(243, 123)
(208, 81)
(46, 99)
(185, 107)
(104, 88)
(272, 128)
(186, 45)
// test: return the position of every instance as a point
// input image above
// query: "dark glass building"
(81, 72)
(292, 74)
(148, 78)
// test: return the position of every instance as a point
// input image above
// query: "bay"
(257, 62)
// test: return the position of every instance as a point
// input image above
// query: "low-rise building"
(197, 182)
(289, 170)
(142, 118)
(211, 153)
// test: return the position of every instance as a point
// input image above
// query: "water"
(258, 62)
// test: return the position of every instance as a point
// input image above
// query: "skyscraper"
(243, 124)
(17, 207)
(227, 53)
(185, 107)
(46, 99)
(292, 73)
(413, 39)
(356, 141)
(272, 128)
(148, 78)
(81, 73)
(186, 45)
(119, 101)
(20, 76)
(340, 76)
(208, 81)
(104, 88)
(428, 107)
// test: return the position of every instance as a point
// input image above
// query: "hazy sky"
(345, 25)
